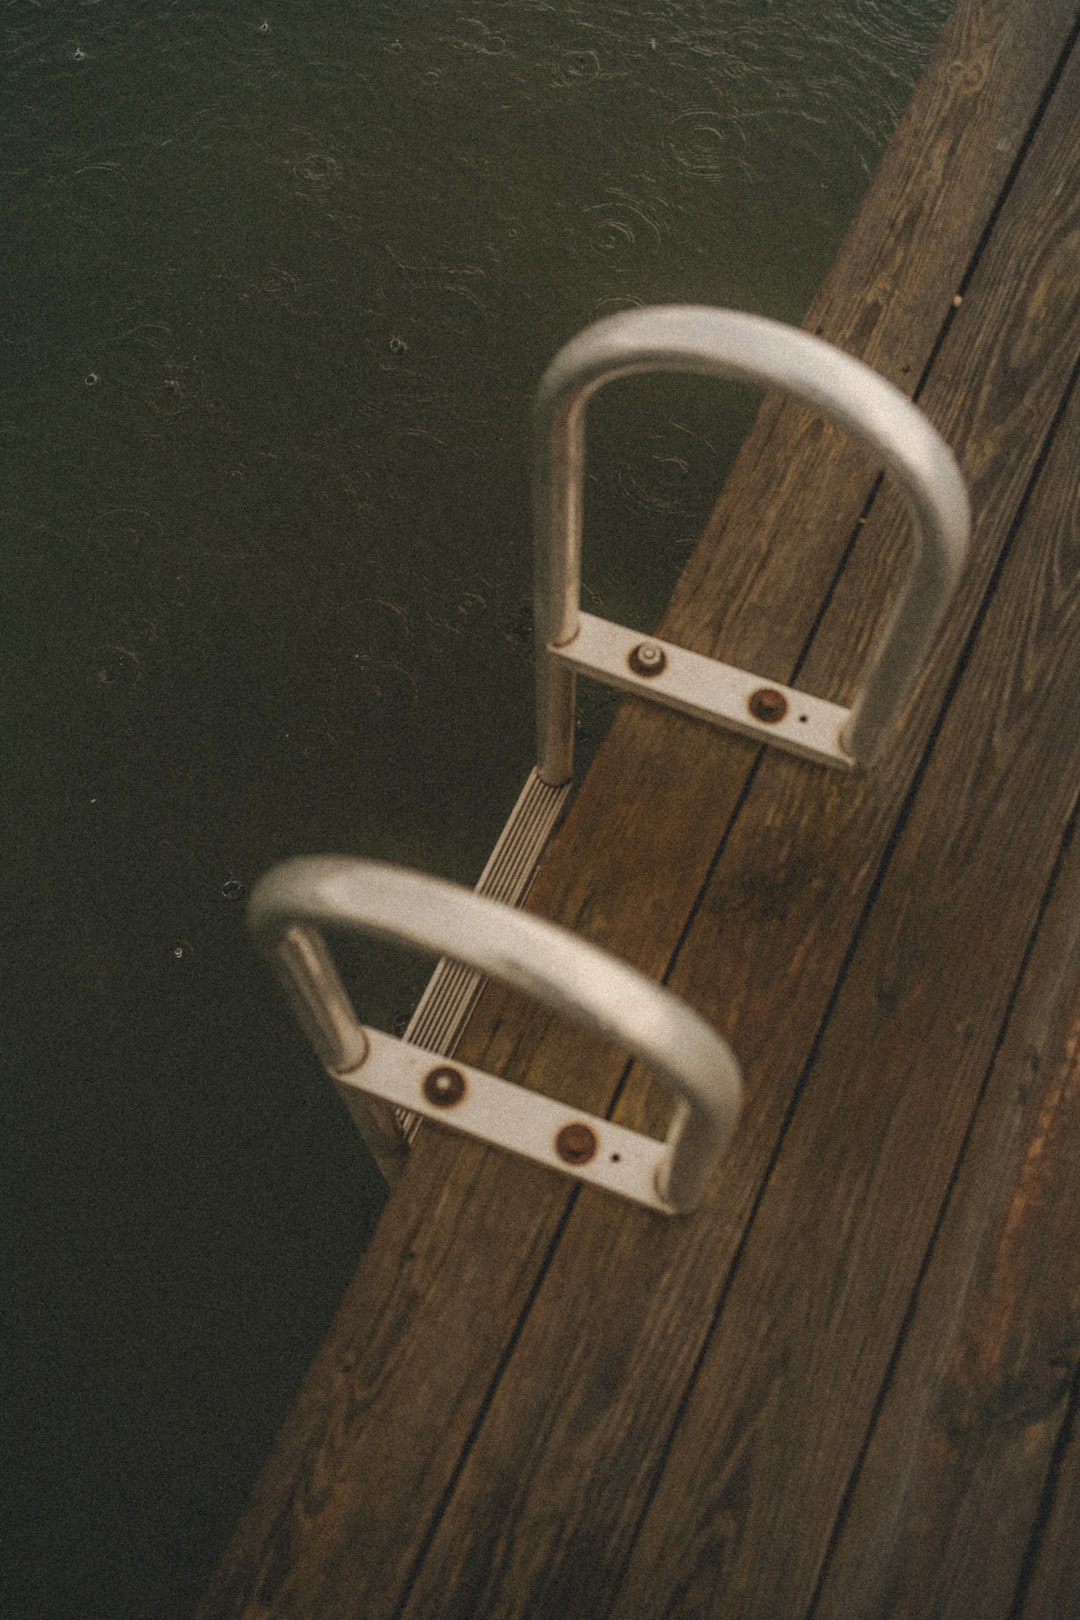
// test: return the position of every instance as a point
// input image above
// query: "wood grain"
(1052, 1582)
(942, 1509)
(822, 1288)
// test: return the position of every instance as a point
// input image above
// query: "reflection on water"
(284, 285)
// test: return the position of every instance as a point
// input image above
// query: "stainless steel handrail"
(294, 901)
(730, 344)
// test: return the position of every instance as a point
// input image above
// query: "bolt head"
(444, 1086)
(767, 705)
(576, 1143)
(647, 659)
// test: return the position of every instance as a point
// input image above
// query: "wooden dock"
(847, 1385)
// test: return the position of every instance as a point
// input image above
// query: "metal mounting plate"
(524, 1122)
(709, 690)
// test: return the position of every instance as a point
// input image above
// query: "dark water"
(282, 283)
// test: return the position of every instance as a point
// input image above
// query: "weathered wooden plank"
(942, 1512)
(1052, 1586)
(550, 1498)
(372, 1447)
(823, 1286)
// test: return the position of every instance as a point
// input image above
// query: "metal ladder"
(390, 1085)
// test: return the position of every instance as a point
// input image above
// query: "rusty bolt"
(576, 1144)
(767, 705)
(648, 659)
(444, 1086)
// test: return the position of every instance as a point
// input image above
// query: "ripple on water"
(317, 168)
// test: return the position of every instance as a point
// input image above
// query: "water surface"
(283, 283)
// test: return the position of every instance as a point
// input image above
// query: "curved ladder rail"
(722, 343)
(292, 902)
(749, 348)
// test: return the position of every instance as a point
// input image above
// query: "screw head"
(444, 1086)
(647, 659)
(767, 705)
(576, 1144)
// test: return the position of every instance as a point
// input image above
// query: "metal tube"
(319, 999)
(748, 348)
(569, 974)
